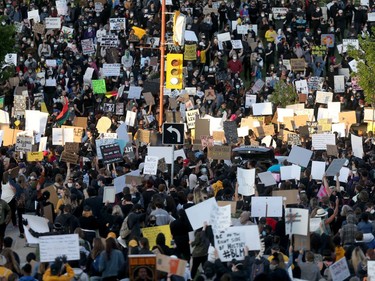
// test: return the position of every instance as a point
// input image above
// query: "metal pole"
(162, 64)
(172, 165)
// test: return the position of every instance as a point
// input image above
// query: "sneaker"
(22, 235)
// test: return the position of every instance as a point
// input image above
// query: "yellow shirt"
(271, 36)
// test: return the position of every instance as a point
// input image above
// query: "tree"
(8, 45)
(365, 57)
(283, 94)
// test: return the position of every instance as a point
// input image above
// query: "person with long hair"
(94, 259)
(64, 200)
(358, 260)
(111, 261)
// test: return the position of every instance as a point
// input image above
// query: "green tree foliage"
(283, 94)
(365, 57)
(7, 39)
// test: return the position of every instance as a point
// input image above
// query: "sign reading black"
(111, 153)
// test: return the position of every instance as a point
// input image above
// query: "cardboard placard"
(297, 64)
(38, 28)
(143, 135)
(347, 117)
(72, 147)
(202, 128)
(218, 135)
(136, 179)
(173, 116)
(34, 156)
(69, 157)
(332, 150)
(53, 198)
(149, 98)
(220, 152)
(289, 196)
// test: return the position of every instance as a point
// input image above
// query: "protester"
(270, 76)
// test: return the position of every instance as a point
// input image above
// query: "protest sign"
(327, 40)
(266, 206)
(117, 23)
(339, 83)
(109, 41)
(258, 85)
(72, 147)
(34, 156)
(24, 143)
(217, 152)
(98, 86)
(296, 221)
(292, 172)
(246, 181)
(262, 108)
(318, 169)
(230, 130)
(300, 156)
(152, 232)
(266, 178)
(335, 167)
(53, 23)
(319, 50)
(111, 153)
(109, 194)
(170, 265)
(250, 100)
(202, 128)
(36, 223)
(142, 265)
(134, 92)
(111, 69)
(230, 243)
(200, 213)
(339, 270)
(88, 46)
(290, 197)
(357, 146)
(53, 246)
(69, 157)
(190, 52)
(320, 141)
(323, 97)
(220, 218)
(151, 165)
(297, 64)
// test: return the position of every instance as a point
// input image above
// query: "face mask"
(70, 185)
(259, 45)
(273, 266)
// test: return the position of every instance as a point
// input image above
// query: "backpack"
(256, 269)
(125, 230)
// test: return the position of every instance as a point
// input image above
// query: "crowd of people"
(52, 65)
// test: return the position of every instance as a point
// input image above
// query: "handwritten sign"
(69, 157)
(220, 152)
(231, 242)
(99, 86)
(151, 165)
(111, 153)
(297, 64)
(54, 246)
(34, 156)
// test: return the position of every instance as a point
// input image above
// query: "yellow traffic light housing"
(174, 77)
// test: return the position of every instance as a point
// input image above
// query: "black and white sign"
(173, 133)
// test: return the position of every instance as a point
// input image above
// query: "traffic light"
(174, 77)
(179, 25)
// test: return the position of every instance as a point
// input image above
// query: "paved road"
(19, 245)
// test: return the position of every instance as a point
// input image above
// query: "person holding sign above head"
(60, 270)
(201, 244)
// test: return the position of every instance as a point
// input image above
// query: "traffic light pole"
(162, 65)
